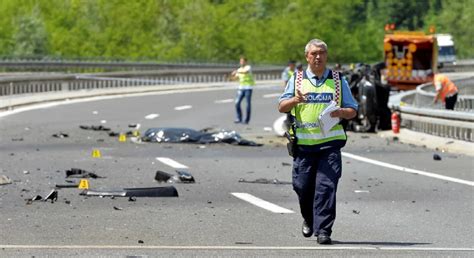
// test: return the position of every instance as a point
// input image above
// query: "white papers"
(326, 122)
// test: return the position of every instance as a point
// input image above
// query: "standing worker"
(288, 72)
(446, 91)
(317, 164)
(246, 83)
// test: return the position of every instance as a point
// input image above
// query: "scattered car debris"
(26, 172)
(355, 211)
(136, 126)
(35, 198)
(17, 139)
(4, 180)
(60, 135)
(187, 135)
(185, 177)
(286, 164)
(53, 196)
(141, 242)
(118, 208)
(94, 127)
(167, 191)
(436, 157)
(80, 173)
(67, 185)
(132, 199)
(265, 181)
(182, 177)
(114, 134)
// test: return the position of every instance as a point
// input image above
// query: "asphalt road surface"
(391, 199)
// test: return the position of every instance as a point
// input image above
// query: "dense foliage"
(267, 31)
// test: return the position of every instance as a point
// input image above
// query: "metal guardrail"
(10, 65)
(418, 113)
(55, 83)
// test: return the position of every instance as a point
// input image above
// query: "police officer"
(246, 83)
(317, 163)
(288, 72)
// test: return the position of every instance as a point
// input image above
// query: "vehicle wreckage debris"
(167, 191)
(4, 180)
(182, 177)
(53, 196)
(35, 198)
(436, 157)
(187, 135)
(67, 185)
(60, 135)
(80, 173)
(94, 128)
(265, 181)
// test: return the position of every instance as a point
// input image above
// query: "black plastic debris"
(114, 134)
(162, 176)
(286, 164)
(132, 199)
(67, 185)
(80, 173)
(60, 135)
(187, 135)
(94, 128)
(265, 181)
(185, 177)
(355, 211)
(35, 198)
(17, 139)
(167, 191)
(118, 208)
(436, 157)
(181, 177)
(53, 196)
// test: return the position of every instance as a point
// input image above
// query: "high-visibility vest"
(447, 86)
(245, 79)
(305, 115)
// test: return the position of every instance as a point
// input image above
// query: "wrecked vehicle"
(372, 96)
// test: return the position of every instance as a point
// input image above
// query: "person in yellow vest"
(246, 83)
(446, 91)
(317, 164)
(288, 72)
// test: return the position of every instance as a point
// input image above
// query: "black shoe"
(324, 240)
(306, 230)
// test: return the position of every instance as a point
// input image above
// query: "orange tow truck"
(409, 57)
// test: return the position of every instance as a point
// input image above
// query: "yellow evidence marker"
(83, 184)
(122, 138)
(96, 153)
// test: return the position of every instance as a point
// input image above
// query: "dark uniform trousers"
(315, 178)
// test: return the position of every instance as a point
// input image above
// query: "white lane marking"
(103, 121)
(95, 112)
(361, 191)
(236, 247)
(224, 101)
(170, 162)
(55, 103)
(272, 95)
(183, 107)
(407, 170)
(261, 203)
(151, 116)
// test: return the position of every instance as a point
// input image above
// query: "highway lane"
(381, 211)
